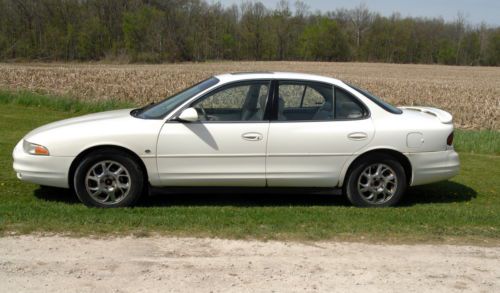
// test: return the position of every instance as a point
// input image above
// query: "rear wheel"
(376, 181)
(108, 179)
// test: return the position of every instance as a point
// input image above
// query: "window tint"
(302, 101)
(347, 106)
(232, 98)
(291, 94)
(310, 101)
(300, 95)
(383, 104)
(312, 98)
(239, 102)
(159, 110)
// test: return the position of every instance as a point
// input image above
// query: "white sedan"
(263, 129)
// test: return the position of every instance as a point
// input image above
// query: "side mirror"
(189, 115)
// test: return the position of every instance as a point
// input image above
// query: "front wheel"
(108, 179)
(376, 181)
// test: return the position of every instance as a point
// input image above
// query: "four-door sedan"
(249, 130)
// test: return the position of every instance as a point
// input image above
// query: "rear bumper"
(43, 170)
(431, 167)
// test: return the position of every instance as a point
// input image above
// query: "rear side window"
(347, 107)
(312, 98)
(305, 101)
(314, 101)
(383, 104)
(291, 94)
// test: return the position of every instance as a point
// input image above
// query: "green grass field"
(464, 209)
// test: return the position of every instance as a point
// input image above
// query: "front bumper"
(432, 167)
(43, 170)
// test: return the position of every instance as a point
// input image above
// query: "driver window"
(240, 102)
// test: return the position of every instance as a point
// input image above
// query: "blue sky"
(475, 12)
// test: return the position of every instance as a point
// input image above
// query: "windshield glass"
(383, 104)
(161, 109)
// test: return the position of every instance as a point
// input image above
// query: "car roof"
(237, 76)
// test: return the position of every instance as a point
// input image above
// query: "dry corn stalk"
(471, 94)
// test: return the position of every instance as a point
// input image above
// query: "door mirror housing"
(189, 115)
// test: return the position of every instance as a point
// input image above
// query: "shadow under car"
(442, 192)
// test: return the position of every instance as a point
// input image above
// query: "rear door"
(317, 127)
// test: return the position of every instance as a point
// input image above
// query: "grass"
(480, 142)
(464, 209)
(59, 103)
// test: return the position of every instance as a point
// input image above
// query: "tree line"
(194, 30)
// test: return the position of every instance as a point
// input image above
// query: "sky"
(475, 12)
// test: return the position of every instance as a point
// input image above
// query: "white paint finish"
(414, 140)
(71, 136)
(433, 166)
(392, 131)
(443, 116)
(235, 154)
(198, 154)
(43, 170)
(312, 153)
(189, 115)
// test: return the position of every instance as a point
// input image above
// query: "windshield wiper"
(138, 111)
(135, 112)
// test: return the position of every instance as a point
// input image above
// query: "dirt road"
(59, 264)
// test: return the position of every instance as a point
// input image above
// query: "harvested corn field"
(471, 94)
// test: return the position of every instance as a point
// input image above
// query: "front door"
(226, 147)
(318, 128)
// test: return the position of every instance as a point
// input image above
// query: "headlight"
(35, 149)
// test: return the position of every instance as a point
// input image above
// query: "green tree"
(254, 31)
(447, 53)
(283, 29)
(198, 30)
(379, 44)
(323, 40)
(142, 31)
(93, 40)
(471, 51)
(494, 48)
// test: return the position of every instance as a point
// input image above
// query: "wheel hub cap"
(377, 183)
(108, 182)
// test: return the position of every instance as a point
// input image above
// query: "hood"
(108, 115)
(441, 115)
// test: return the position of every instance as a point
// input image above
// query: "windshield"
(161, 109)
(383, 104)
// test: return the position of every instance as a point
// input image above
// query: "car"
(256, 129)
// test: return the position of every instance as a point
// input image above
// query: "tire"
(109, 179)
(370, 184)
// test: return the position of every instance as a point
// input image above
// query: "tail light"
(449, 140)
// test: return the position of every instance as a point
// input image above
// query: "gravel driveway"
(164, 264)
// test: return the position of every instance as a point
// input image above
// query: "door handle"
(252, 136)
(357, 135)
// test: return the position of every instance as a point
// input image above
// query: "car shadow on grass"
(442, 192)
(56, 194)
(244, 197)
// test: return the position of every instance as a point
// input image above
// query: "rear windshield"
(383, 104)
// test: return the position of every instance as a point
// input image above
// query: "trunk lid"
(442, 115)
